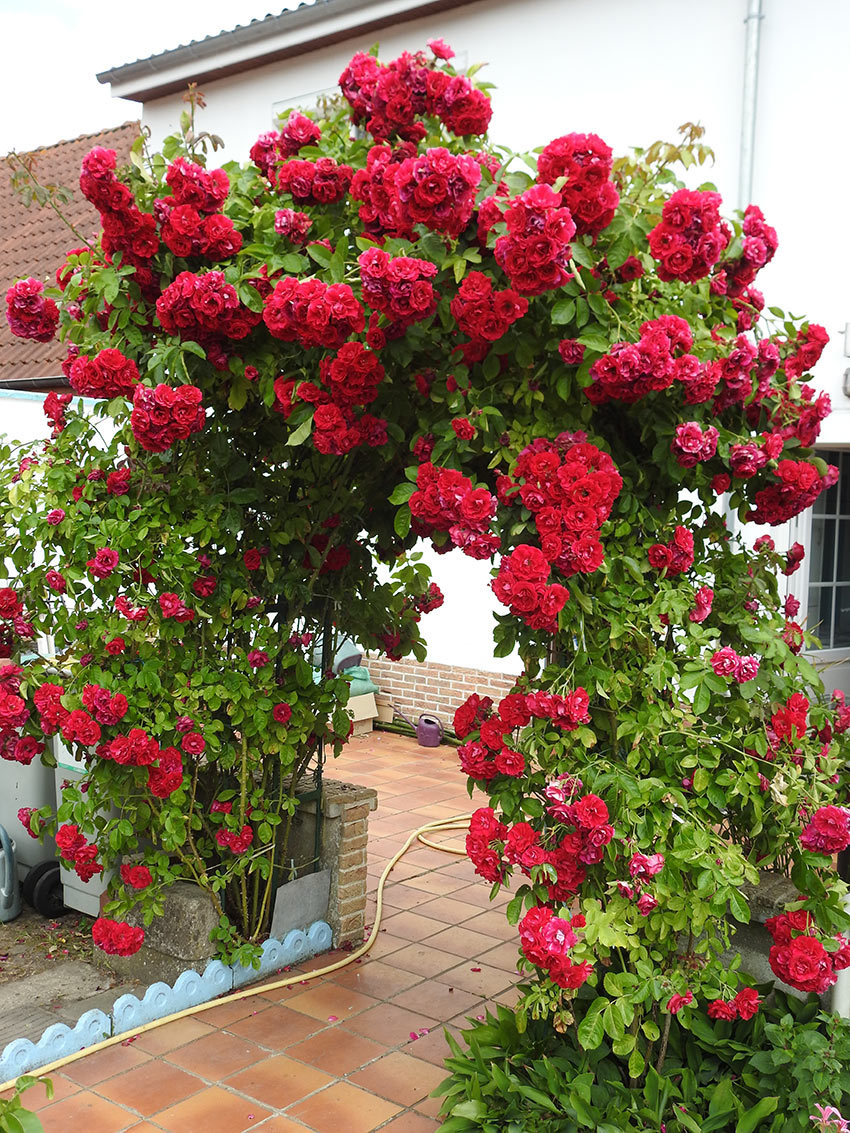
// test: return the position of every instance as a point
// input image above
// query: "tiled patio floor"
(337, 1054)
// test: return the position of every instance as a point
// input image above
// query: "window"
(829, 558)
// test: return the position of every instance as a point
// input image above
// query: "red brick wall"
(417, 686)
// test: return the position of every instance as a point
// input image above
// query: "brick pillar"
(345, 823)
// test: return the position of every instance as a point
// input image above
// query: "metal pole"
(752, 23)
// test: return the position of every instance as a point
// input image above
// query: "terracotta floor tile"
(424, 959)
(344, 1107)
(276, 1027)
(425, 858)
(337, 1051)
(504, 956)
(36, 1099)
(436, 883)
(172, 1035)
(433, 1047)
(399, 1077)
(429, 1107)
(281, 1124)
(452, 911)
(223, 1014)
(462, 942)
(492, 922)
(217, 1054)
(331, 1003)
(389, 1024)
(378, 978)
(212, 1111)
(278, 1081)
(385, 944)
(460, 867)
(104, 1064)
(478, 893)
(401, 895)
(434, 998)
(412, 926)
(151, 1087)
(485, 983)
(144, 1127)
(86, 1113)
(410, 1122)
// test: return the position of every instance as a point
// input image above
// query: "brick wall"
(417, 686)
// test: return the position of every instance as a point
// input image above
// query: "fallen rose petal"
(413, 1036)
(475, 969)
(333, 1018)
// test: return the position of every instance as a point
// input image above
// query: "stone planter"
(335, 893)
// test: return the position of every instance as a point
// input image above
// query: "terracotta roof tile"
(34, 240)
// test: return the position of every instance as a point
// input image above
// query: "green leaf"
(472, 1109)
(401, 493)
(749, 1120)
(22, 1122)
(636, 1064)
(563, 312)
(401, 523)
(739, 907)
(590, 1029)
(301, 433)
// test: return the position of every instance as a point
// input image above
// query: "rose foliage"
(559, 364)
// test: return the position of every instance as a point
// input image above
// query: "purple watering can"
(428, 728)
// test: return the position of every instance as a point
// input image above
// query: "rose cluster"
(690, 237)
(399, 287)
(569, 486)
(319, 182)
(828, 831)
(204, 308)
(352, 376)
(727, 663)
(546, 940)
(790, 721)
(28, 313)
(165, 414)
(692, 445)
(758, 245)
(117, 938)
(642, 868)
(675, 557)
(744, 1006)
(375, 187)
(586, 162)
(482, 313)
(631, 370)
(535, 253)
(437, 190)
(292, 225)
(191, 223)
(797, 485)
(107, 708)
(107, 374)
(389, 97)
(703, 600)
(237, 842)
(808, 347)
(313, 313)
(273, 147)
(445, 500)
(74, 848)
(799, 958)
(14, 619)
(125, 228)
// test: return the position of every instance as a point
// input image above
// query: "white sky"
(54, 48)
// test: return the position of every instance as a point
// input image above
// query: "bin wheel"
(34, 874)
(48, 897)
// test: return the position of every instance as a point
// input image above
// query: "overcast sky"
(54, 48)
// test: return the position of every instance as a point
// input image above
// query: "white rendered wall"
(632, 73)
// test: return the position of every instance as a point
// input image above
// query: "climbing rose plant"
(558, 363)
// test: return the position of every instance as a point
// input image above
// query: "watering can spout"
(10, 894)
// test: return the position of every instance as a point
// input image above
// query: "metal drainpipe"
(752, 24)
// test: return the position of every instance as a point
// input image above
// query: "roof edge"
(263, 41)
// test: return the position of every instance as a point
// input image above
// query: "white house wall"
(631, 72)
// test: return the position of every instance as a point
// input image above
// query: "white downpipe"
(752, 23)
(839, 1002)
(752, 48)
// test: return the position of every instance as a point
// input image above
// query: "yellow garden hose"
(458, 822)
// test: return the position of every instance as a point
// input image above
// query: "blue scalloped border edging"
(22, 1056)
